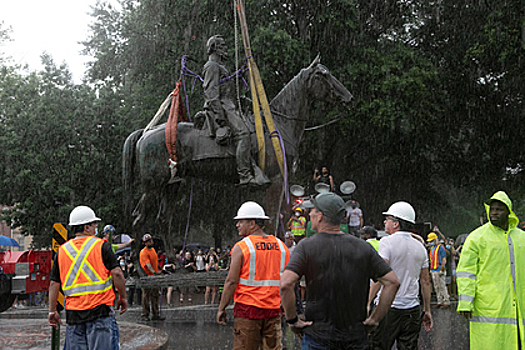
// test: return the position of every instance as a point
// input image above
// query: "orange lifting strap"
(177, 113)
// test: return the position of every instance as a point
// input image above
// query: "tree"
(61, 149)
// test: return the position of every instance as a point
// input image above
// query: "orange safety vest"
(434, 257)
(85, 280)
(264, 261)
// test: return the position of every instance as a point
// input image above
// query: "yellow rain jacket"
(491, 283)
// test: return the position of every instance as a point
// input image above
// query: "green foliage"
(61, 149)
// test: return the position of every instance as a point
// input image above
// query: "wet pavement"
(35, 334)
(193, 327)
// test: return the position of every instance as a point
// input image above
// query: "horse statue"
(147, 155)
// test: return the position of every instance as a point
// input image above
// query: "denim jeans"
(309, 344)
(97, 334)
(115, 335)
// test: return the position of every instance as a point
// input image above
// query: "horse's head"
(325, 87)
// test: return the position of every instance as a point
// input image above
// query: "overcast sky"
(54, 26)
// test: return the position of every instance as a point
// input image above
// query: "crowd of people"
(335, 289)
(209, 260)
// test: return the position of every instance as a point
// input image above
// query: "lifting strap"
(259, 98)
(177, 113)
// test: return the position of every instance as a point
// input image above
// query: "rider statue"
(220, 106)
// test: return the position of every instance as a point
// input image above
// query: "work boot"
(158, 318)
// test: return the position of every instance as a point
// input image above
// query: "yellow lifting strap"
(259, 97)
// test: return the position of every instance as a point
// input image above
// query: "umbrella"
(196, 246)
(4, 240)
(461, 239)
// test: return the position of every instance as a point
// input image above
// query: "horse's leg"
(142, 216)
(167, 208)
(138, 214)
(143, 213)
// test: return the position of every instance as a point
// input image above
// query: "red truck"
(24, 272)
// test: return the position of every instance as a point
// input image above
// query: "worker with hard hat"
(297, 224)
(108, 233)
(257, 262)
(408, 258)
(491, 279)
(149, 261)
(86, 268)
(438, 261)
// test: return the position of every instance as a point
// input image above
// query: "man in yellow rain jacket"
(491, 279)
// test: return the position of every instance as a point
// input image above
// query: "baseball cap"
(288, 234)
(431, 236)
(146, 237)
(330, 204)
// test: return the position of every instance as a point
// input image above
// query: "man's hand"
(222, 317)
(122, 304)
(370, 324)
(427, 321)
(54, 319)
(299, 326)
(466, 314)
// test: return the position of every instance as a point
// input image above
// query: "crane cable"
(237, 77)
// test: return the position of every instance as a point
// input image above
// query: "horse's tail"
(128, 171)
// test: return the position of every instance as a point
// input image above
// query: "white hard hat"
(250, 210)
(82, 215)
(403, 211)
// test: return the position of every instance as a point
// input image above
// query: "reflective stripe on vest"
(464, 297)
(512, 260)
(297, 227)
(434, 257)
(460, 274)
(494, 320)
(251, 271)
(79, 263)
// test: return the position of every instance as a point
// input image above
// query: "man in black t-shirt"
(338, 269)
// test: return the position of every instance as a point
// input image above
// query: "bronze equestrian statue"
(200, 156)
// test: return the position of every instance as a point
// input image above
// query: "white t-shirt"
(199, 262)
(125, 238)
(354, 217)
(407, 257)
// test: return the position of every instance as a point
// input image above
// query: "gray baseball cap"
(330, 204)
